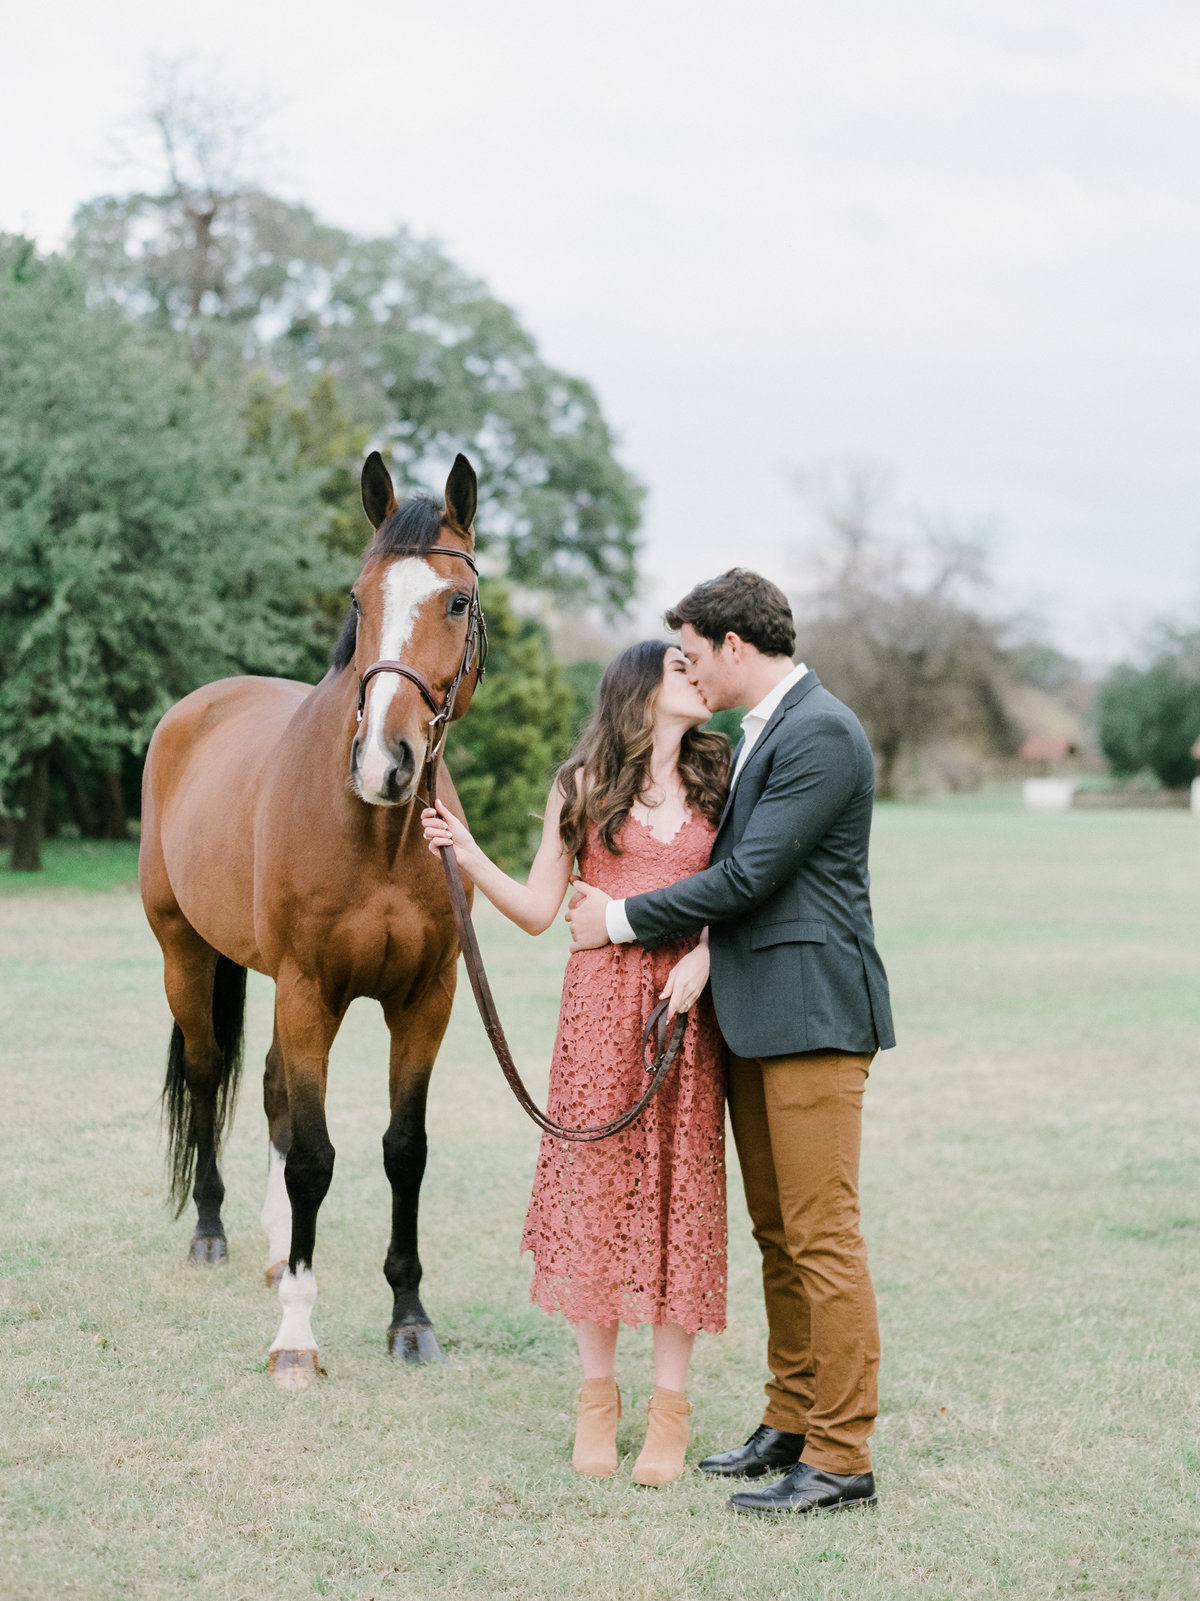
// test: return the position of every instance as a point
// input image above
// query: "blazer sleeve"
(813, 776)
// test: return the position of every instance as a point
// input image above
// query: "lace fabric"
(633, 1227)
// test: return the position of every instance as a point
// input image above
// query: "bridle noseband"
(474, 657)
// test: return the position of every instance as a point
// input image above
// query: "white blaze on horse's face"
(388, 769)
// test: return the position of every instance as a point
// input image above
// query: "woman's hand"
(443, 828)
(686, 981)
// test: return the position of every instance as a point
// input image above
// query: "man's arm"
(812, 778)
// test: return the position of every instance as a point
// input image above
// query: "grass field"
(1032, 1202)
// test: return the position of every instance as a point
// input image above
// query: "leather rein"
(655, 1033)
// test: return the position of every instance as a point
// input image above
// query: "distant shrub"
(1150, 717)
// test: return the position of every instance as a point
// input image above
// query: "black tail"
(229, 1016)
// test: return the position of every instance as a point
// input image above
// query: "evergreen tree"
(1150, 717)
(144, 549)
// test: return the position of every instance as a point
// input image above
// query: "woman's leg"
(672, 1356)
(599, 1400)
(598, 1348)
(662, 1457)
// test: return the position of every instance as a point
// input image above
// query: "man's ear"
(378, 496)
(461, 490)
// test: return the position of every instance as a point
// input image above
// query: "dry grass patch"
(1032, 1192)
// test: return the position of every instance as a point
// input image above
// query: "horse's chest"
(385, 944)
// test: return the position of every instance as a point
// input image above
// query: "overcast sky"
(960, 240)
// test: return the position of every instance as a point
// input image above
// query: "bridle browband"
(657, 1034)
(474, 657)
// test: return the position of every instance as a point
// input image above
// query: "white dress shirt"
(753, 723)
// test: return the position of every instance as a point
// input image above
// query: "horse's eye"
(459, 606)
(354, 601)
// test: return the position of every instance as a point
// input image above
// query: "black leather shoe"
(809, 1489)
(766, 1451)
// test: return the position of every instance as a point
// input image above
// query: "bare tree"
(899, 630)
(194, 141)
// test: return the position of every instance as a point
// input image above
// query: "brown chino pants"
(797, 1122)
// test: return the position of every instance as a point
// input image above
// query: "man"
(802, 1000)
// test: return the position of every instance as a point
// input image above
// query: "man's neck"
(762, 676)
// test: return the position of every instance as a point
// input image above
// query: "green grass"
(77, 864)
(1032, 1203)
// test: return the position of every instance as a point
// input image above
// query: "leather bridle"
(655, 1032)
(474, 657)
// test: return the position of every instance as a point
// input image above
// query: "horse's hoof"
(274, 1273)
(414, 1342)
(295, 1370)
(208, 1248)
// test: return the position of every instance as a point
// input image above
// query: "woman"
(630, 1229)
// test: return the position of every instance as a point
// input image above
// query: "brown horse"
(278, 835)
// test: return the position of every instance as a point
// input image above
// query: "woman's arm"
(533, 905)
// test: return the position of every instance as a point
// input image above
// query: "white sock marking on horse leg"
(297, 1296)
(276, 1215)
(407, 585)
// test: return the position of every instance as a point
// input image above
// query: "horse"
(279, 835)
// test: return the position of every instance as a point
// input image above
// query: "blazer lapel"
(737, 751)
(794, 696)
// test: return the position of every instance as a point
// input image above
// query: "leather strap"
(405, 671)
(654, 1033)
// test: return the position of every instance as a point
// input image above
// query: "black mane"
(343, 651)
(414, 525)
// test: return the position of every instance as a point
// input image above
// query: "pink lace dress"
(633, 1227)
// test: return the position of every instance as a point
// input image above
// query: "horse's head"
(415, 611)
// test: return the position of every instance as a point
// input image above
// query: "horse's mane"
(415, 525)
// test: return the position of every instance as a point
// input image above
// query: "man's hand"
(585, 915)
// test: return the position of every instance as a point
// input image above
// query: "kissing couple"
(735, 887)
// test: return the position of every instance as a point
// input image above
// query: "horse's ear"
(378, 496)
(461, 489)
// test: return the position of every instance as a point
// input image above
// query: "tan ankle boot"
(596, 1427)
(661, 1458)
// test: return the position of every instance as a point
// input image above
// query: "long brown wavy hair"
(610, 765)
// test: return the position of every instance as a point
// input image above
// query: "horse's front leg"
(416, 1032)
(276, 1215)
(306, 1027)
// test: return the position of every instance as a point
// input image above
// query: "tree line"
(187, 391)
(186, 395)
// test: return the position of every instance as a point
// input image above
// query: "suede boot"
(667, 1429)
(596, 1427)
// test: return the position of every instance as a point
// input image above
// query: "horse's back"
(200, 792)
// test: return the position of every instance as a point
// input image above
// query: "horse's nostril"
(405, 763)
(399, 774)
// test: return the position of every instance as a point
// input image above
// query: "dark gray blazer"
(785, 895)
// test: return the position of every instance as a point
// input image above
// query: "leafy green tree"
(425, 359)
(144, 549)
(1150, 717)
(503, 753)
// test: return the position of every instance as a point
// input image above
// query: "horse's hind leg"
(416, 1033)
(277, 1207)
(206, 994)
(305, 1029)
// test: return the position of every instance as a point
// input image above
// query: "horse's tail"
(229, 1016)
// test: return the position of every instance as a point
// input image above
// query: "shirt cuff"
(617, 924)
